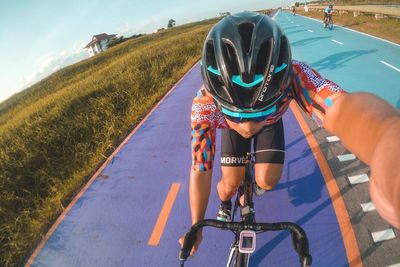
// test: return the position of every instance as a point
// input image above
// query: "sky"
(38, 37)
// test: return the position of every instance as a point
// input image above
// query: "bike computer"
(247, 241)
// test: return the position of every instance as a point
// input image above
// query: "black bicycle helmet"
(246, 62)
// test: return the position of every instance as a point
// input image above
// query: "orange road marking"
(346, 228)
(164, 214)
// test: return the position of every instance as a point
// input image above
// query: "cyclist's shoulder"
(309, 79)
(300, 67)
(204, 110)
(202, 97)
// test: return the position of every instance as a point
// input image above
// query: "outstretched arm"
(370, 128)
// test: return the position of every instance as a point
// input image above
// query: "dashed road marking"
(336, 41)
(163, 216)
(346, 157)
(310, 30)
(297, 25)
(383, 235)
(390, 66)
(366, 207)
(358, 179)
(332, 139)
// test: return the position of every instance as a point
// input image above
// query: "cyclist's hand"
(196, 245)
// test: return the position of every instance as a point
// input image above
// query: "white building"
(99, 43)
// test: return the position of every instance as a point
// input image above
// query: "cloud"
(145, 26)
(53, 62)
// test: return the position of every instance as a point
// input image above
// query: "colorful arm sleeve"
(203, 133)
(313, 92)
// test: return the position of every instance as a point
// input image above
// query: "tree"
(171, 23)
(223, 14)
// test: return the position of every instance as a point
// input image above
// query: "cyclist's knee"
(268, 174)
(232, 177)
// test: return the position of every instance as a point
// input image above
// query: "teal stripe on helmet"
(246, 115)
(212, 70)
(278, 69)
(258, 78)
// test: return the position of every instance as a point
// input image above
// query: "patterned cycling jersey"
(312, 92)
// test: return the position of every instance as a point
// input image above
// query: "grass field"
(387, 28)
(55, 134)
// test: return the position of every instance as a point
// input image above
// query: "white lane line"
(395, 265)
(368, 206)
(297, 25)
(358, 179)
(346, 157)
(332, 139)
(390, 66)
(383, 235)
(333, 40)
(310, 30)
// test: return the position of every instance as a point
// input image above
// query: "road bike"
(246, 229)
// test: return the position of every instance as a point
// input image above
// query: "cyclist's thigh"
(269, 145)
(233, 155)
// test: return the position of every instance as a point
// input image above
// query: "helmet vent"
(283, 55)
(246, 32)
(263, 55)
(232, 58)
(211, 60)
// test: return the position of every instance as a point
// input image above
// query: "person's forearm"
(199, 192)
(360, 120)
(370, 128)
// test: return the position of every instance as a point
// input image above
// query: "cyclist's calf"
(231, 179)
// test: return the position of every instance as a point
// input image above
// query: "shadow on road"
(307, 41)
(338, 60)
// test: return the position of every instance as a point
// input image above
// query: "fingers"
(196, 244)
(195, 247)
(181, 241)
(194, 250)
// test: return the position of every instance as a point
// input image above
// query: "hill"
(57, 132)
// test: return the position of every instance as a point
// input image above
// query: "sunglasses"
(238, 117)
(239, 120)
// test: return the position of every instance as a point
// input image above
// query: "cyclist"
(249, 80)
(327, 15)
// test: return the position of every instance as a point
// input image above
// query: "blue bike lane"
(356, 61)
(113, 222)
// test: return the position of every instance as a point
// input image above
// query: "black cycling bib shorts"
(268, 143)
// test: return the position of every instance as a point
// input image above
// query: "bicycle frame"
(247, 222)
(247, 215)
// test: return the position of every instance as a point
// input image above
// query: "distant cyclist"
(249, 80)
(294, 10)
(328, 15)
